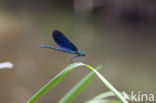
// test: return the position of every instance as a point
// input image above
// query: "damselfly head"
(83, 54)
(80, 53)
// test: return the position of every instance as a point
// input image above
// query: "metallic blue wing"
(63, 42)
(46, 46)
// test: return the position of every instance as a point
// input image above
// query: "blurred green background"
(119, 35)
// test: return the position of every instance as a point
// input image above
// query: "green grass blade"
(108, 94)
(78, 87)
(103, 101)
(105, 81)
(64, 73)
(104, 95)
(53, 82)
